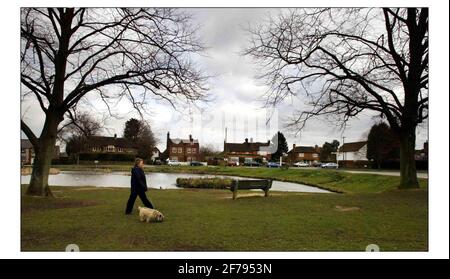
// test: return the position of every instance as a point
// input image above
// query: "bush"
(63, 161)
(395, 165)
(204, 183)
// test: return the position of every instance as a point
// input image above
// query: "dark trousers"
(132, 199)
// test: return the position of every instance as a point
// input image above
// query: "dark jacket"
(138, 181)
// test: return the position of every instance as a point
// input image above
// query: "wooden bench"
(263, 184)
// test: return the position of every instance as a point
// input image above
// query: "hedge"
(204, 183)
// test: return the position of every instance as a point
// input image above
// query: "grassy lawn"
(209, 220)
(334, 180)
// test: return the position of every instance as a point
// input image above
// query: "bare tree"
(208, 150)
(345, 61)
(133, 54)
(80, 124)
(77, 129)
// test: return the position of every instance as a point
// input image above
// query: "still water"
(154, 180)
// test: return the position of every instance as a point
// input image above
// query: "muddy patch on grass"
(53, 203)
(95, 188)
(345, 209)
(229, 195)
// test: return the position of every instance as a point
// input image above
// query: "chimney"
(115, 136)
(190, 137)
(246, 140)
(251, 139)
(168, 139)
(293, 146)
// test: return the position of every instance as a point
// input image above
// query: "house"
(101, 144)
(182, 150)
(307, 154)
(248, 150)
(156, 154)
(353, 155)
(422, 154)
(27, 152)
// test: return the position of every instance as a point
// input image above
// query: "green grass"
(209, 220)
(333, 180)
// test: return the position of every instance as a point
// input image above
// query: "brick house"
(27, 152)
(353, 155)
(422, 154)
(182, 150)
(248, 150)
(307, 154)
(101, 144)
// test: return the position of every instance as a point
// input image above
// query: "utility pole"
(343, 152)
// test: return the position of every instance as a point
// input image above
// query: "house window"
(119, 149)
(110, 148)
(180, 150)
(174, 150)
(301, 155)
(193, 150)
(188, 150)
(315, 155)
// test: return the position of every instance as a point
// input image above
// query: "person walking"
(138, 186)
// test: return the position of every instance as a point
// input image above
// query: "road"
(392, 173)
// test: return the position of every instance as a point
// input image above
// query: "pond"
(156, 180)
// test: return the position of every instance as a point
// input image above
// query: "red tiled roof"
(25, 144)
(245, 146)
(304, 149)
(352, 146)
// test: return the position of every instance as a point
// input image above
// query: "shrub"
(204, 183)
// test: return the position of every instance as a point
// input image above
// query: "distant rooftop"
(352, 146)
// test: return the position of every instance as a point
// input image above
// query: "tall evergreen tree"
(327, 150)
(382, 144)
(142, 136)
(282, 146)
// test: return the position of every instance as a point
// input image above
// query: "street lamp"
(281, 158)
(337, 158)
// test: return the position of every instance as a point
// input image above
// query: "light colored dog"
(150, 215)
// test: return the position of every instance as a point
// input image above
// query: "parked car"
(232, 163)
(301, 164)
(252, 164)
(316, 164)
(273, 165)
(173, 162)
(196, 163)
(330, 166)
(157, 162)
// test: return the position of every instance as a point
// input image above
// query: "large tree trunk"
(44, 153)
(408, 172)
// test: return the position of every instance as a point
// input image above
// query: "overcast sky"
(236, 96)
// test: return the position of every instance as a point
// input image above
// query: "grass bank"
(209, 220)
(334, 180)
